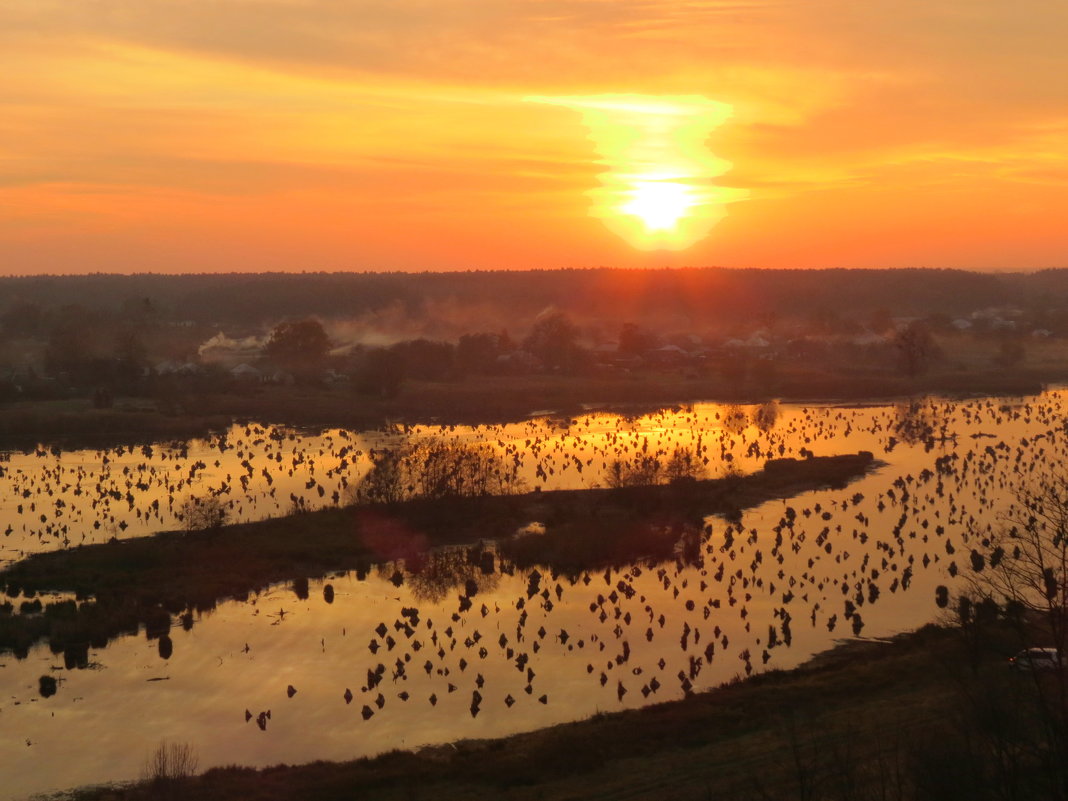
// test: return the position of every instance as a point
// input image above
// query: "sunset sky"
(247, 135)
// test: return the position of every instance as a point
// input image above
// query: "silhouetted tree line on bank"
(256, 299)
(645, 469)
(437, 471)
(107, 336)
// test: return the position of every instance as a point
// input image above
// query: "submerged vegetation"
(933, 715)
(121, 586)
(910, 719)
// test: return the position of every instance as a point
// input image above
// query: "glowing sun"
(656, 191)
(659, 204)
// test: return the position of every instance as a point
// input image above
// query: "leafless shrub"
(1025, 563)
(171, 762)
(203, 514)
(437, 470)
(646, 470)
(917, 420)
(385, 482)
(766, 415)
(684, 464)
(734, 419)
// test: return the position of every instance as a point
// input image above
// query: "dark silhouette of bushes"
(436, 471)
(645, 470)
(209, 513)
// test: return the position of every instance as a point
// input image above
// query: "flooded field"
(464, 644)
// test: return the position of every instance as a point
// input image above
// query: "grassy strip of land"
(908, 719)
(472, 400)
(492, 399)
(143, 581)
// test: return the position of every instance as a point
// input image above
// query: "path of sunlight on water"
(395, 658)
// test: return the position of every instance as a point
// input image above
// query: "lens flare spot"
(656, 191)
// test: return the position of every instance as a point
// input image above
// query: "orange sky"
(209, 135)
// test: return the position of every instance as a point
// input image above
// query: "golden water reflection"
(394, 657)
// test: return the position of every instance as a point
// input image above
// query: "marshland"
(274, 593)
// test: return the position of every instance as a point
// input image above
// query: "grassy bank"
(75, 423)
(473, 400)
(910, 719)
(143, 581)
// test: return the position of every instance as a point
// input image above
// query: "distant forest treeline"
(697, 294)
(368, 346)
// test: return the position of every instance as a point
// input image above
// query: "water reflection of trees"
(766, 415)
(918, 420)
(472, 571)
(734, 419)
(445, 570)
(558, 422)
(691, 545)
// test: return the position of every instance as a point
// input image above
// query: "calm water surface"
(398, 659)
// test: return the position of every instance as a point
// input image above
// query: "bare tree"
(766, 415)
(385, 482)
(1014, 726)
(916, 348)
(647, 469)
(1011, 352)
(171, 762)
(734, 418)
(436, 470)
(1026, 563)
(919, 420)
(203, 514)
(554, 340)
(684, 464)
(298, 345)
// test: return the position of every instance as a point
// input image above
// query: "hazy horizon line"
(520, 270)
